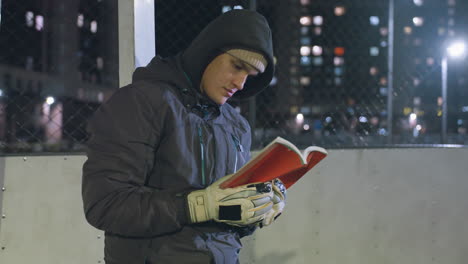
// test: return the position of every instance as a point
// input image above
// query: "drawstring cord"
(202, 153)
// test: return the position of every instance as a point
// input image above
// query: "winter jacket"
(159, 138)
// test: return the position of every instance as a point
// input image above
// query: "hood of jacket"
(243, 29)
(235, 29)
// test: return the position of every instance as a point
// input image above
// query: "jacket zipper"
(238, 148)
(202, 153)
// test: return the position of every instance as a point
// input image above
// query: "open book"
(280, 159)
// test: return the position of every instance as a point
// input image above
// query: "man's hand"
(279, 201)
(240, 206)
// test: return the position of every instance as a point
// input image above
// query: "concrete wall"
(358, 206)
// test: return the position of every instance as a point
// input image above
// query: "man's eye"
(238, 67)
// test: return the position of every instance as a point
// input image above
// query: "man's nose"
(239, 81)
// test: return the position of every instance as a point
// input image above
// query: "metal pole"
(444, 99)
(136, 36)
(391, 22)
(126, 41)
(252, 101)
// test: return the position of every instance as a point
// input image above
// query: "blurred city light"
(50, 100)
(374, 20)
(305, 20)
(299, 119)
(418, 2)
(340, 10)
(456, 49)
(418, 21)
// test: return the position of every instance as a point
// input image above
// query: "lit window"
(374, 20)
(451, 2)
(317, 50)
(305, 50)
(374, 51)
(318, 61)
(305, 20)
(29, 18)
(417, 42)
(238, 7)
(417, 100)
(338, 71)
(305, 80)
(451, 33)
(430, 61)
(80, 20)
(418, 21)
(337, 61)
(451, 22)
(339, 51)
(383, 90)
(383, 44)
(93, 26)
(439, 101)
(39, 22)
(29, 63)
(304, 30)
(338, 81)
(100, 63)
(383, 81)
(318, 31)
(407, 30)
(305, 2)
(418, 2)
(226, 9)
(340, 10)
(441, 31)
(318, 20)
(384, 31)
(305, 61)
(373, 71)
(305, 41)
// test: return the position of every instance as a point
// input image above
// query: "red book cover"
(280, 159)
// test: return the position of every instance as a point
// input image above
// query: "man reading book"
(160, 147)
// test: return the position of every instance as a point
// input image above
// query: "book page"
(267, 166)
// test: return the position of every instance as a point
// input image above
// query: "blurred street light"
(454, 50)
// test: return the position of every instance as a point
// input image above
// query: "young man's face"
(224, 76)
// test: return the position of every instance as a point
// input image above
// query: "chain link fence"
(337, 83)
(58, 62)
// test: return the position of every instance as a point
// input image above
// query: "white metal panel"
(358, 206)
(401, 206)
(126, 41)
(44, 221)
(145, 40)
(136, 36)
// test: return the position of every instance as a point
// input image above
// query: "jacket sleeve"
(124, 133)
